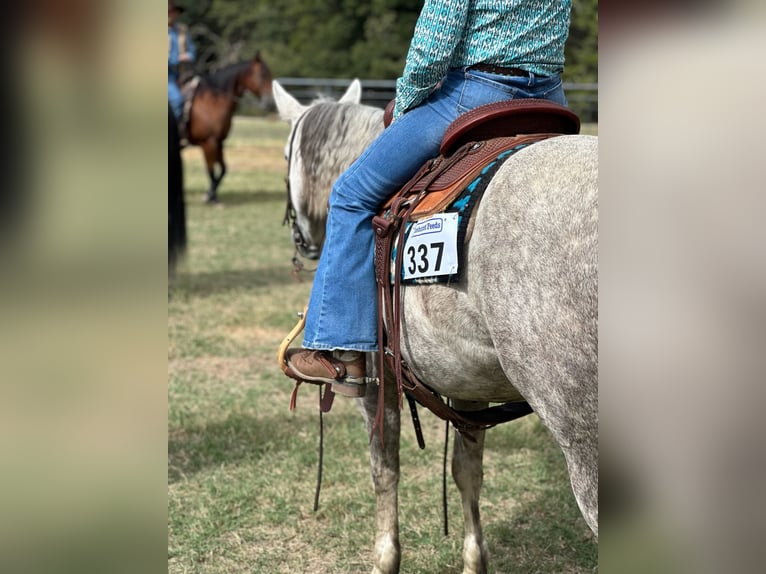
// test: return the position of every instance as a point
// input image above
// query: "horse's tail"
(176, 207)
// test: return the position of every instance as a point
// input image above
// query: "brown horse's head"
(257, 78)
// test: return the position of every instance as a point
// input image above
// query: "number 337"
(421, 257)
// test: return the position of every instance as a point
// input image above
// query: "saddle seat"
(509, 118)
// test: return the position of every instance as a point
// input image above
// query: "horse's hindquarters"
(523, 321)
(528, 300)
(534, 272)
(533, 266)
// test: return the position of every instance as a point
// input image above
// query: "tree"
(582, 45)
(343, 38)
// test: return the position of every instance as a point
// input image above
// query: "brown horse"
(213, 104)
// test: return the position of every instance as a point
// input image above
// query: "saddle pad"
(461, 202)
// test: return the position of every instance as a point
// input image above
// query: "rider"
(463, 54)
(181, 55)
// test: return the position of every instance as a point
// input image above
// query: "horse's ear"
(257, 57)
(288, 107)
(353, 94)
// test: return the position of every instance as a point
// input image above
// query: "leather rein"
(290, 217)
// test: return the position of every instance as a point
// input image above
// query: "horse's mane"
(225, 79)
(332, 136)
(321, 99)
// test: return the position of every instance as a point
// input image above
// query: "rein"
(290, 213)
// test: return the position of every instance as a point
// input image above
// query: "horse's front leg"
(384, 464)
(213, 152)
(467, 470)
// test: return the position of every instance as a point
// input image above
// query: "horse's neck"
(239, 89)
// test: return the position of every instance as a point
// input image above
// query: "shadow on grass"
(240, 198)
(216, 282)
(543, 536)
(546, 532)
(239, 438)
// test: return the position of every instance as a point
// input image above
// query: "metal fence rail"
(583, 98)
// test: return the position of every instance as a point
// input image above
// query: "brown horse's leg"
(467, 460)
(384, 464)
(220, 162)
(213, 155)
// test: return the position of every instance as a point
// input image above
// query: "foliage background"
(367, 39)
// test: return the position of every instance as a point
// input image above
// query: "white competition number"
(431, 247)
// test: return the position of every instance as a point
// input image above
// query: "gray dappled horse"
(522, 324)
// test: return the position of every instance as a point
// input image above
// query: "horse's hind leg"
(582, 463)
(384, 466)
(467, 461)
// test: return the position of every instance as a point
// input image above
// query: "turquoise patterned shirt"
(526, 34)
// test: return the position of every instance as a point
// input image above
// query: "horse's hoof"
(212, 200)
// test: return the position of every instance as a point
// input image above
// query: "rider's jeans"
(175, 97)
(342, 311)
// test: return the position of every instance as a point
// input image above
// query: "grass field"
(242, 468)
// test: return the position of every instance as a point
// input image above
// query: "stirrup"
(326, 399)
(282, 351)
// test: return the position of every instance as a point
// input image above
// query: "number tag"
(431, 247)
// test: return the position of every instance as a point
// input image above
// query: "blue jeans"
(175, 98)
(342, 311)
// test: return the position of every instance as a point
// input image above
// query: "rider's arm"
(437, 33)
(191, 49)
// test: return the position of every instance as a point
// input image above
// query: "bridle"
(291, 216)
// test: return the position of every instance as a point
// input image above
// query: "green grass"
(242, 468)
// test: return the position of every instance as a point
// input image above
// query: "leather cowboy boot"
(345, 370)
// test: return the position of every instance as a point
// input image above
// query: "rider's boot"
(345, 370)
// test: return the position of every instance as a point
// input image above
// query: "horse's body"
(521, 324)
(213, 105)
